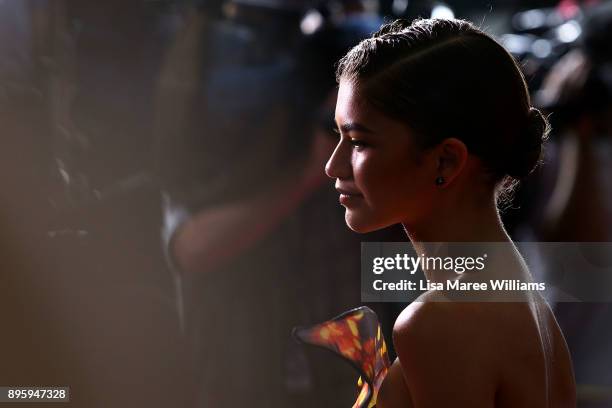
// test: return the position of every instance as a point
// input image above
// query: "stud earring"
(440, 180)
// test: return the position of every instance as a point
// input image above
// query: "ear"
(452, 155)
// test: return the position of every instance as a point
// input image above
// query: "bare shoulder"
(447, 345)
(431, 316)
(477, 352)
(480, 322)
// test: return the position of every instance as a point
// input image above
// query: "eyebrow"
(355, 127)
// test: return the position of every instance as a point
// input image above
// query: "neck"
(463, 221)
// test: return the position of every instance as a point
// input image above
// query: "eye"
(358, 144)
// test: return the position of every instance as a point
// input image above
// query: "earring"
(440, 180)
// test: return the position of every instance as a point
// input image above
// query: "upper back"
(507, 354)
(537, 361)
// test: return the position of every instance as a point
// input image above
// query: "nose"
(339, 163)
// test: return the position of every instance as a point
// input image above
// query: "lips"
(350, 193)
(348, 197)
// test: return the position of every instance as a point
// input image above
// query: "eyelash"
(358, 144)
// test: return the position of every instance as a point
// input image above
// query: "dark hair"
(447, 78)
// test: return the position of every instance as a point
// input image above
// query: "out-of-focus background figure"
(251, 232)
(578, 92)
(166, 218)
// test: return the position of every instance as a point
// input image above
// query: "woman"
(435, 125)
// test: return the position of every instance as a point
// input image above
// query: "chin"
(360, 224)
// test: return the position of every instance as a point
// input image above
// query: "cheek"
(396, 188)
(388, 177)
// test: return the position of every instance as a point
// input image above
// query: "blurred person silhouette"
(578, 92)
(36, 343)
(248, 229)
(86, 270)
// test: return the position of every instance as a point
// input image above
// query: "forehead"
(352, 107)
(349, 104)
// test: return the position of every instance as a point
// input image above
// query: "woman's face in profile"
(382, 178)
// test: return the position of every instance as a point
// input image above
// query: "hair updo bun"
(527, 154)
